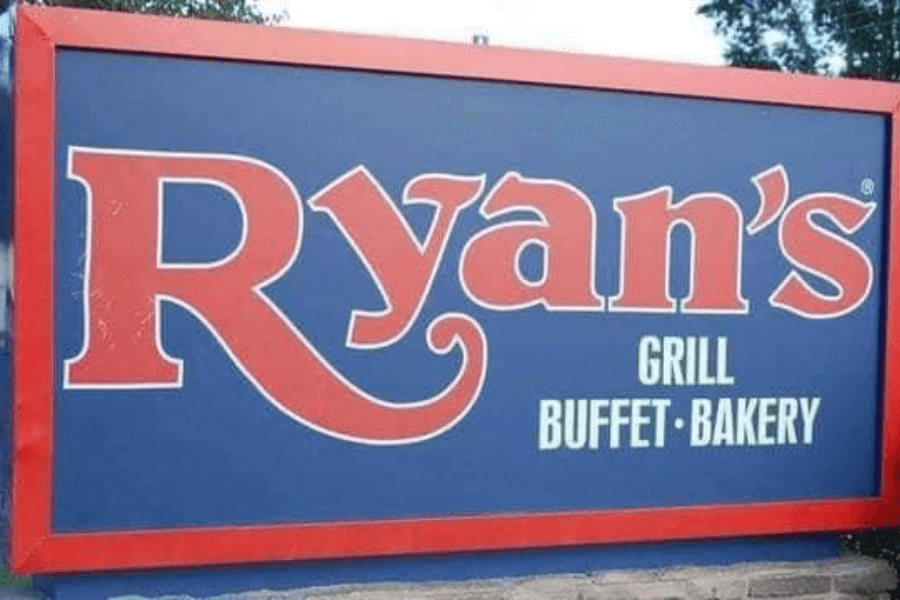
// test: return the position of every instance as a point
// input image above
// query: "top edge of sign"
(121, 32)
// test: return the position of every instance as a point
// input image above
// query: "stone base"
(855, 578)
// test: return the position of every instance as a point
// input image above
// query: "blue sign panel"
(293, 295)
(640, 404)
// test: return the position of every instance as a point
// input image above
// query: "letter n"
(715, 223)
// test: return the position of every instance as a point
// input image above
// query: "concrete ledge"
(856, 578)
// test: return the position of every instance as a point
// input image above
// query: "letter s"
(816, 250)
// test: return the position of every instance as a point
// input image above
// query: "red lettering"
(565, 229)
(125, 280)
(772, 185)
(715, 222)
(402, 267)
(818, 251)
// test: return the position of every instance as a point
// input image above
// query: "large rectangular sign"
(287, 295)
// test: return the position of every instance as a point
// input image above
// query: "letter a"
(565, 229)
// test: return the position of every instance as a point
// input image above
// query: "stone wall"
(854, 578)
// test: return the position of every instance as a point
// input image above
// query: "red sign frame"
(36, 548)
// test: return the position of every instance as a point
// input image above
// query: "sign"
(287, 295)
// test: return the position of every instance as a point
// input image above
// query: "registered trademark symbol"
(867, 186)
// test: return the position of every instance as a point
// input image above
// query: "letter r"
(125, 276)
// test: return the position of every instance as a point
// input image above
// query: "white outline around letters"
(794, 276)
(677, 306)
(542, 221)
(757, 224)
(420, 246)
(67, 384)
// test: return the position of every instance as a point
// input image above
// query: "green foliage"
(880, 543)
(8, 580)
(854, 38)
(243, 11)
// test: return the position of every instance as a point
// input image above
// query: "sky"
(655, 29)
